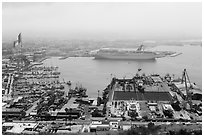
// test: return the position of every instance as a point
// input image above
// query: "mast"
(188, 94)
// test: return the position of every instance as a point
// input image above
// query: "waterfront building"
(138, 97)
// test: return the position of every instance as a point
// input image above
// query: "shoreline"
(41, 60)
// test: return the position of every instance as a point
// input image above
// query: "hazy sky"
(103, 20)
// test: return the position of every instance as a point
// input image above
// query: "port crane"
(184, 79)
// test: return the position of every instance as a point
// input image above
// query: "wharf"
(32, 108)
(68, 105)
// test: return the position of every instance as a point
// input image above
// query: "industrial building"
(140, 97)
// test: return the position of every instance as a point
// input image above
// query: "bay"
(96, 74)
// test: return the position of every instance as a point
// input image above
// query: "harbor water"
(96, 74)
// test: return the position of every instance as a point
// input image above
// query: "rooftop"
(149, 96)
(19, 127)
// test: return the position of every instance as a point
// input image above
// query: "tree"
(176, 106)
(128, 87)
(6, 118)
(168, 113)
(97, 113)
(151, 126)
(142, 130)
(133, 114)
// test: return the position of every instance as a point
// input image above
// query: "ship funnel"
(140, 48)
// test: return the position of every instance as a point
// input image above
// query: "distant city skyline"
(148, 21)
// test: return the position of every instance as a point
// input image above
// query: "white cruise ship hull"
(127, 57)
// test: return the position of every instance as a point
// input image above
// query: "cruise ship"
(117, 53)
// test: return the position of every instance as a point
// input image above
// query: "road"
(87, 122)
(78, 122)
(33, 107)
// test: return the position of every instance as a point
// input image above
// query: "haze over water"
(96, 74)
(110, 20)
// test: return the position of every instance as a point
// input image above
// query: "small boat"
(36, 63)
(176, 54)
(61, 58)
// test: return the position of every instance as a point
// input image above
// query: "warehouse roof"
(148, 96)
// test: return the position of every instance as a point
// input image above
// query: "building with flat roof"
(18, 128)
(126, 96)
(13, 112)
(146, 96)
(147, 88)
